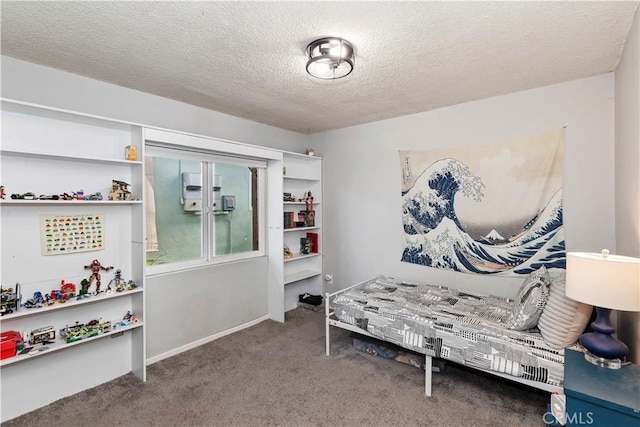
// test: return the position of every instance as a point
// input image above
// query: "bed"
(462, 326)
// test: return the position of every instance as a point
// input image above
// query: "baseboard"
(205, 340)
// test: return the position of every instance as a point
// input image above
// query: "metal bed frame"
(330, 320)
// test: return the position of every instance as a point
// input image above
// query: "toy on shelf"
(131, 153)
(10, 299)
(120, 284)
(2, 192)
(84, 289)
(117, 284)
(306, 218)
(305, 246)
(10, 343)
(67, 289)
(23, 196)
(72, 333)
(49, 197)
(65, 293)
(95, 196)
(55, 297)
(96, 267)
(128, 319)
(97, 327)
(43, 335)
(119, 191)
(81, 331)
(36, 302)
(307, 199)
(287, 252)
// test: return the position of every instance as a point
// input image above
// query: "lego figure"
(84, 288)
(117, 282)
(96, 267)
(2, 192)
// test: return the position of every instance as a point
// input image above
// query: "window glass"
(178, 222)
(236, 210)
(200, 211)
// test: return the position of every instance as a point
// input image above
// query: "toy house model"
(119, 191)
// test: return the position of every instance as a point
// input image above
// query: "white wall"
(193, 306)
(627, 163)
(361, 172)
(28, 82)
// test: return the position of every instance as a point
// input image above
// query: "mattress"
(458, 325)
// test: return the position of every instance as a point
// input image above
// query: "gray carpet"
(276, 374)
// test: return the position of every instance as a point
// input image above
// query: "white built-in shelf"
(300, 178)
(59, 344)
(298, 256)
(301, 275)
(24, 312)
(69, 116)
(43, 151)
(300, 203)
(33, 155)
(70, 202)
(300, 229)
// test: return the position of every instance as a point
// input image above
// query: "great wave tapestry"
(489, 209)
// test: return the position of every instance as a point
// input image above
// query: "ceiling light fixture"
(330, 58)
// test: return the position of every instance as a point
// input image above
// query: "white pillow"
(530, 302)
(563, 320)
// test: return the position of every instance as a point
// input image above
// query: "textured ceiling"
(247, 58)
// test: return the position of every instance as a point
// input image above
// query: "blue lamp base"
(602, 348)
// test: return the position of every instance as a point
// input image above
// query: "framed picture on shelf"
(305, 246)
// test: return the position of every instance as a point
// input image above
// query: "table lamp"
(606, 282)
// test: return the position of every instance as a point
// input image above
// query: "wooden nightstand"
(598, 396)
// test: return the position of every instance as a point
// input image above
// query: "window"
(202, 208)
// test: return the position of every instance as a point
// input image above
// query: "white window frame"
(190, 147)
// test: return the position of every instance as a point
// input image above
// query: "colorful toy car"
(36, 301)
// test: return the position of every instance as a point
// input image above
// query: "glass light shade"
(330, 58)
(603, 280)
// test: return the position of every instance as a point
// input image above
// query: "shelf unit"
(69, 202)
(302, 272)
(59, 345)
(50, 152)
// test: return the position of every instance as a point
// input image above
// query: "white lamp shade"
(610, 281)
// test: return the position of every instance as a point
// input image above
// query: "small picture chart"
(65, 234)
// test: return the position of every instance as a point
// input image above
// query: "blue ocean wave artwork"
(434, 236)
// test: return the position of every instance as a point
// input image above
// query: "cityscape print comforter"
(458, 325)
